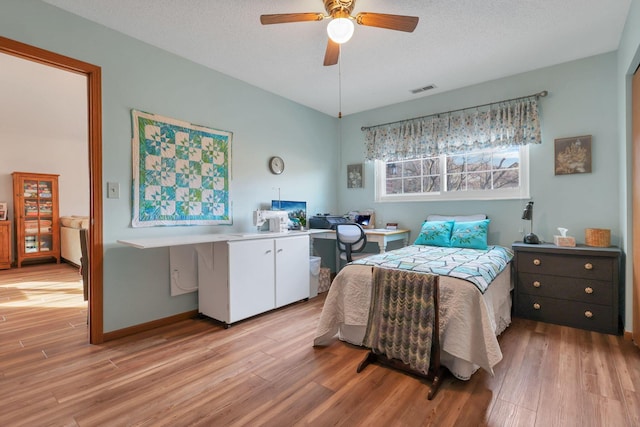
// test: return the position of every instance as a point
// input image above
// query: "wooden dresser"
(5, 245)
(572, 286)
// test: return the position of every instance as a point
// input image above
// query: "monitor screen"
(297, 212)
(363, 219)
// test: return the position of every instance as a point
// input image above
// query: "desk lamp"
(528, 215)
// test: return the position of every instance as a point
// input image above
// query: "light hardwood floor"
(264, 371)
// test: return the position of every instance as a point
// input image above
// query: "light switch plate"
(113, 190)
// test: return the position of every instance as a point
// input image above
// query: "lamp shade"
(340, 30)
(528, 211)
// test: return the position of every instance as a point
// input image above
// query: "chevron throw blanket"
(402, 316)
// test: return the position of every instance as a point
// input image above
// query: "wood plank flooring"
(264, 371)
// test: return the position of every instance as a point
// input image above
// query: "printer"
(326, 221)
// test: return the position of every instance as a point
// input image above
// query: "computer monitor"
(297, 212)
(363, 220)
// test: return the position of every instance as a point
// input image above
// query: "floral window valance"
(503, 124)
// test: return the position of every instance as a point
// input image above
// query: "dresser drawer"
(596, 268)
(576, 314)
(571, 288)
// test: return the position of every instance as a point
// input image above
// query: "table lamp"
(528, 215)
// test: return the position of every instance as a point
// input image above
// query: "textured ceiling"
(457, 43)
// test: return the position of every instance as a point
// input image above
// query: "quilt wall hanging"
(181, 173)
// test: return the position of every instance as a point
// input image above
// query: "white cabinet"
(239, 279)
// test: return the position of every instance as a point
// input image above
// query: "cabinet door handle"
(588, 314)
(279, 250)
(536, 306)
(588, 290)
(588, 266)
(537, 262)
(536, 284)
(268, 251)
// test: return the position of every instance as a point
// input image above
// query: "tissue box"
(564, 241)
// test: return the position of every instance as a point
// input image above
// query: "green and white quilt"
(477, 266)
(181, 173)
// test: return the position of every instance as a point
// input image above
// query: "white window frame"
(498, 194)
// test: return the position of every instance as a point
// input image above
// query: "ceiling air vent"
(423, 89)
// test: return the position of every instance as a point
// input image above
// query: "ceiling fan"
(340, 29)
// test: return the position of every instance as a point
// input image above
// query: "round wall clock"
(276, 164)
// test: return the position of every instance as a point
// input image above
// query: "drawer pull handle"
(588, 314)
(536, 306)
(536, 284)
(537, 262)
(588, 266)
(588, 290)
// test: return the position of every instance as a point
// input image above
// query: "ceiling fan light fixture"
(340, 30)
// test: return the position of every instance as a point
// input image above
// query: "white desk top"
(376, 231)
(160, 242)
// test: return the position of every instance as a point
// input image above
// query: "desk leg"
(382, 245)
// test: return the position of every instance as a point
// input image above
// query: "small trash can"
(314, 271)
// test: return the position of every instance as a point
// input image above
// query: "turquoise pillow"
(435, 233)
(471, 235)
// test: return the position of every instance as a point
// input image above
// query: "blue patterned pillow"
(435, 233)
(471, 235)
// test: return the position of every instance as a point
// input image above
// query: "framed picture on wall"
(572, 155)
(355, 176)
(3, 211)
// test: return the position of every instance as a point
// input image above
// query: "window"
(498, 173)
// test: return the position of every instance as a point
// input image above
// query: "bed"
(70, 227)
(473, 311)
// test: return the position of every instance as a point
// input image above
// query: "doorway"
(94, 115)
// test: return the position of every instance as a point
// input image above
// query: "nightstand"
(572, 286)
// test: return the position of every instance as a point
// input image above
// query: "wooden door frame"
(94, 105)
(635, 189)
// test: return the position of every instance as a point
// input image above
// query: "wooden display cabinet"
(35, 205)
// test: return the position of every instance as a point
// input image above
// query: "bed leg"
(369, 358)
(437, 381)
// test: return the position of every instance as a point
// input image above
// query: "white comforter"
(469, 321)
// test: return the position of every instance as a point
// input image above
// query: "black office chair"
(351, 241)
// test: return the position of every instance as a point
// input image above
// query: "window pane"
(392, 170)
(394, 186)
(456, 163)
(456, 182)
(479, 181)
(431, 184)
(412, 185)
(431, 166)
(411, 168)
(479, 162)
(506, 179)
(506, 160)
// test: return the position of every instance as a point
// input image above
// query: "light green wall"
(137, 75)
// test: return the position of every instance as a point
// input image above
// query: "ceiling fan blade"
(283, 18)
(390, 22)
(332, 54)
